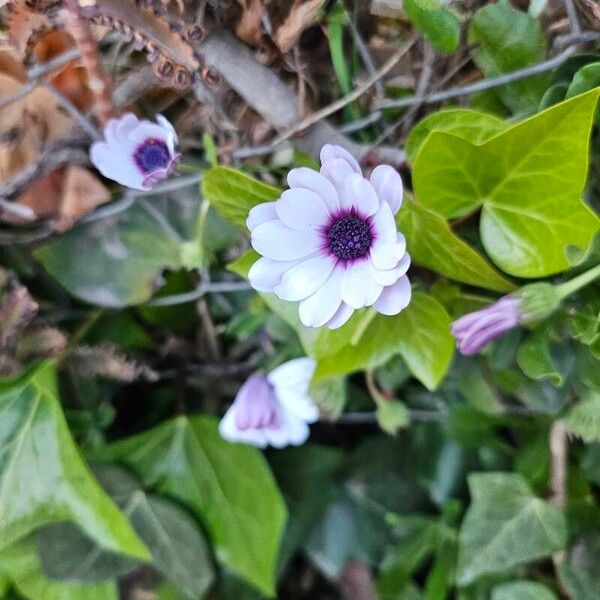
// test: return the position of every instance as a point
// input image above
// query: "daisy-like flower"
(331, 241)
(136, 153)
(273, 409)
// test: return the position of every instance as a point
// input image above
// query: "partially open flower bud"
(531, 303)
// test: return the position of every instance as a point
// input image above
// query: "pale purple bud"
(477, 329)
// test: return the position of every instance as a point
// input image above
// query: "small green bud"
(392, 415)
(538, 301)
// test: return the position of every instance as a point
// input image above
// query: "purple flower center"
(152, 155)
(349, 237)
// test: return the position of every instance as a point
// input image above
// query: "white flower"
(331, 241)
(136, 153)
(273, 409)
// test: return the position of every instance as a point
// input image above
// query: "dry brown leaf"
(24, 26)
(82, 192)
(301, 15)
(249, 27)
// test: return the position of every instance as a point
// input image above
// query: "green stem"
(569, 287)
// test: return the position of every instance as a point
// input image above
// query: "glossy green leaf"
(233, 193)
(228, 486)
(420, 334)
(506, 39)
(434, 245)
(529, 180)
(118, 261)
(179, 551)
(436, 22)
(583, 419)
(21, 565)
(43, 478)
(522, 590)
(468, 124)
(535, 359)
(586, 79)
(505, 526)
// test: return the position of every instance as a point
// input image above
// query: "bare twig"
(217, 287)
(72, 110)
(51, 159)
(573, 16)
(558, 442)
(485, 84)
(348, 98)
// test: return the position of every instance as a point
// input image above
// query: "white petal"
(305, 278)
(394, 298)
(302, 209)
(229, 431)
(301, 405)
(261, 213)
(330, 151)
(342, 315)
(274, 240)
(336, 171)
(308, 179)
(386, 255)
(291, 431)
(388, 185)
(319, 308)
(390, 276)
(166, 124)
(294, 374)
(359, 289)
(116, 166)
(265, 273)
(126, 125)
(359, 195)
(384, 225)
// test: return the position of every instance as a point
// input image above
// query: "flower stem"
(569, 287)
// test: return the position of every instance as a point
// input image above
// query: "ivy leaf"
(43, 478)
(580, 574)
(505, 526)
(174, 538)
(587, 78)
(420, 334)
(583, 419)
(436, 23)
(434, 245)
(118, 261)
(21, 565)
(529, 180)
(535, 359)
(468, 124)
(506, 39)
(522, 590)
(228, 486)
(234, 193)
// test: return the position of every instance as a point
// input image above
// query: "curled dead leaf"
(301, 15)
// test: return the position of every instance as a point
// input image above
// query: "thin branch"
(72, 110)
(218, 287)
(356, 93)
(485, 84)
(573, 16)
(37, 72)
